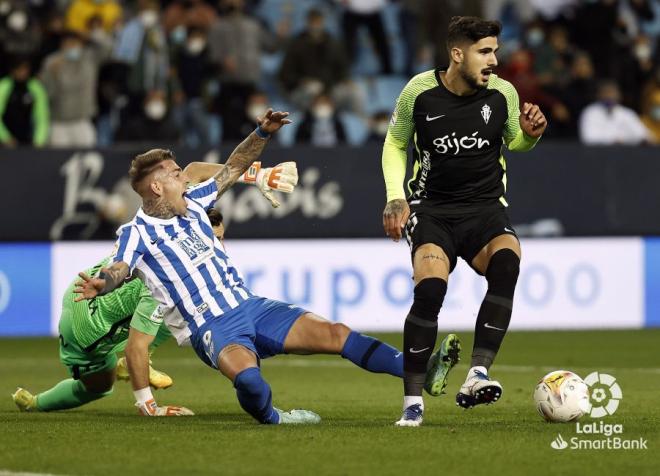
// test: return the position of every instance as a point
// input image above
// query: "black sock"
(420, 332)
(495, 311)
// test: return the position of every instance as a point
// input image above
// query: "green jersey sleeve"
(399, 133)
(148, 316)
(514, 137)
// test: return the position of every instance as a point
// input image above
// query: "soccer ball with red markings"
(561, 396)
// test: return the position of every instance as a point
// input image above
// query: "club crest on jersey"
(193, 245)
(486, 112)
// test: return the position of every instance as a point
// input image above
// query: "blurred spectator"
(256, 105)
(519, 71)
(153, 123)
(20, 32)
(52, 31)
(181, 15)
(70, 77)
(580, 90)
(552, 58)
(410, 21)
(435, 22)
(142, 47)
(314, 62)
(635, 68)
(194, 70)
(607, 122)
(23, 108)
(378, 125)
(236, 43)
(366, 13)
(80, 12)
(321, 126)
(593, 27)
(651, 117)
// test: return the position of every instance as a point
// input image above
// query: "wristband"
(261, 133)
(143, 395)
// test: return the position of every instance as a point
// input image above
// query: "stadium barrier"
(556, 189)
(564, 283)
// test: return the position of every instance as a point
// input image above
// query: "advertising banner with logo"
(564, 284)
(340, 193)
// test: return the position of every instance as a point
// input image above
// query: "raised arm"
(107, 281)
(250, 149)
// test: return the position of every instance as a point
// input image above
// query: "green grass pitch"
(356, 435)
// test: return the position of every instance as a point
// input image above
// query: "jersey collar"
(156, 221)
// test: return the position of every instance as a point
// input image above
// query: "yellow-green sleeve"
(399, 133)
(514, 137)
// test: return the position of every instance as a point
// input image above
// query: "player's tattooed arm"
(249, 150)
(198, 172)
(108, 280)
(395, 217)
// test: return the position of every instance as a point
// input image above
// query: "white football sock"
(412, 400)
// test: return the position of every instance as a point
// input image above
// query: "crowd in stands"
(93, 73)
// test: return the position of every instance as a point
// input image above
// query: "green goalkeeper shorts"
(73, 356)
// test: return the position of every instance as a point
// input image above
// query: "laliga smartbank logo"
(604, 397)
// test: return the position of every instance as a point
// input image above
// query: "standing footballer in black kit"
(459, 118)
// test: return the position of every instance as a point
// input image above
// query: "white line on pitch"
(5, 472)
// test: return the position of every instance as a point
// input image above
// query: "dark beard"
(472, 82)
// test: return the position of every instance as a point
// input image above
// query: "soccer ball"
(561, 396)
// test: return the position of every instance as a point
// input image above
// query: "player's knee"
(249, 381)
(338, 335)
(502, 272)
(428, 297)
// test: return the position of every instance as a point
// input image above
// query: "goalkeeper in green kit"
(91, 334)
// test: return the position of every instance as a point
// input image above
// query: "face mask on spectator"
(323, 111)
(535, 37)
(255, 110)
(155, 109)
(196, 45)
(608, 103)
(17, 21)
(655, 113)
(149, 18)
(380, 128)
(643, 52)
(178, 35)
(73, 53)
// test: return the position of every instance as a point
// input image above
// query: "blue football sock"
(373, 355)
(255, 397)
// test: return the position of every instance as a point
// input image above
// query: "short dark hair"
(215, 216)
(143, 164)
(470, 29)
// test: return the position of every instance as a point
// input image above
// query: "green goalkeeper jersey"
(101, 325)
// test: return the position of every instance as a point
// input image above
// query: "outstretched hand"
(88, 288)
(532, 120)
(272, 121)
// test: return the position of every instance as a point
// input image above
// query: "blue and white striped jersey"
(182, 262)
